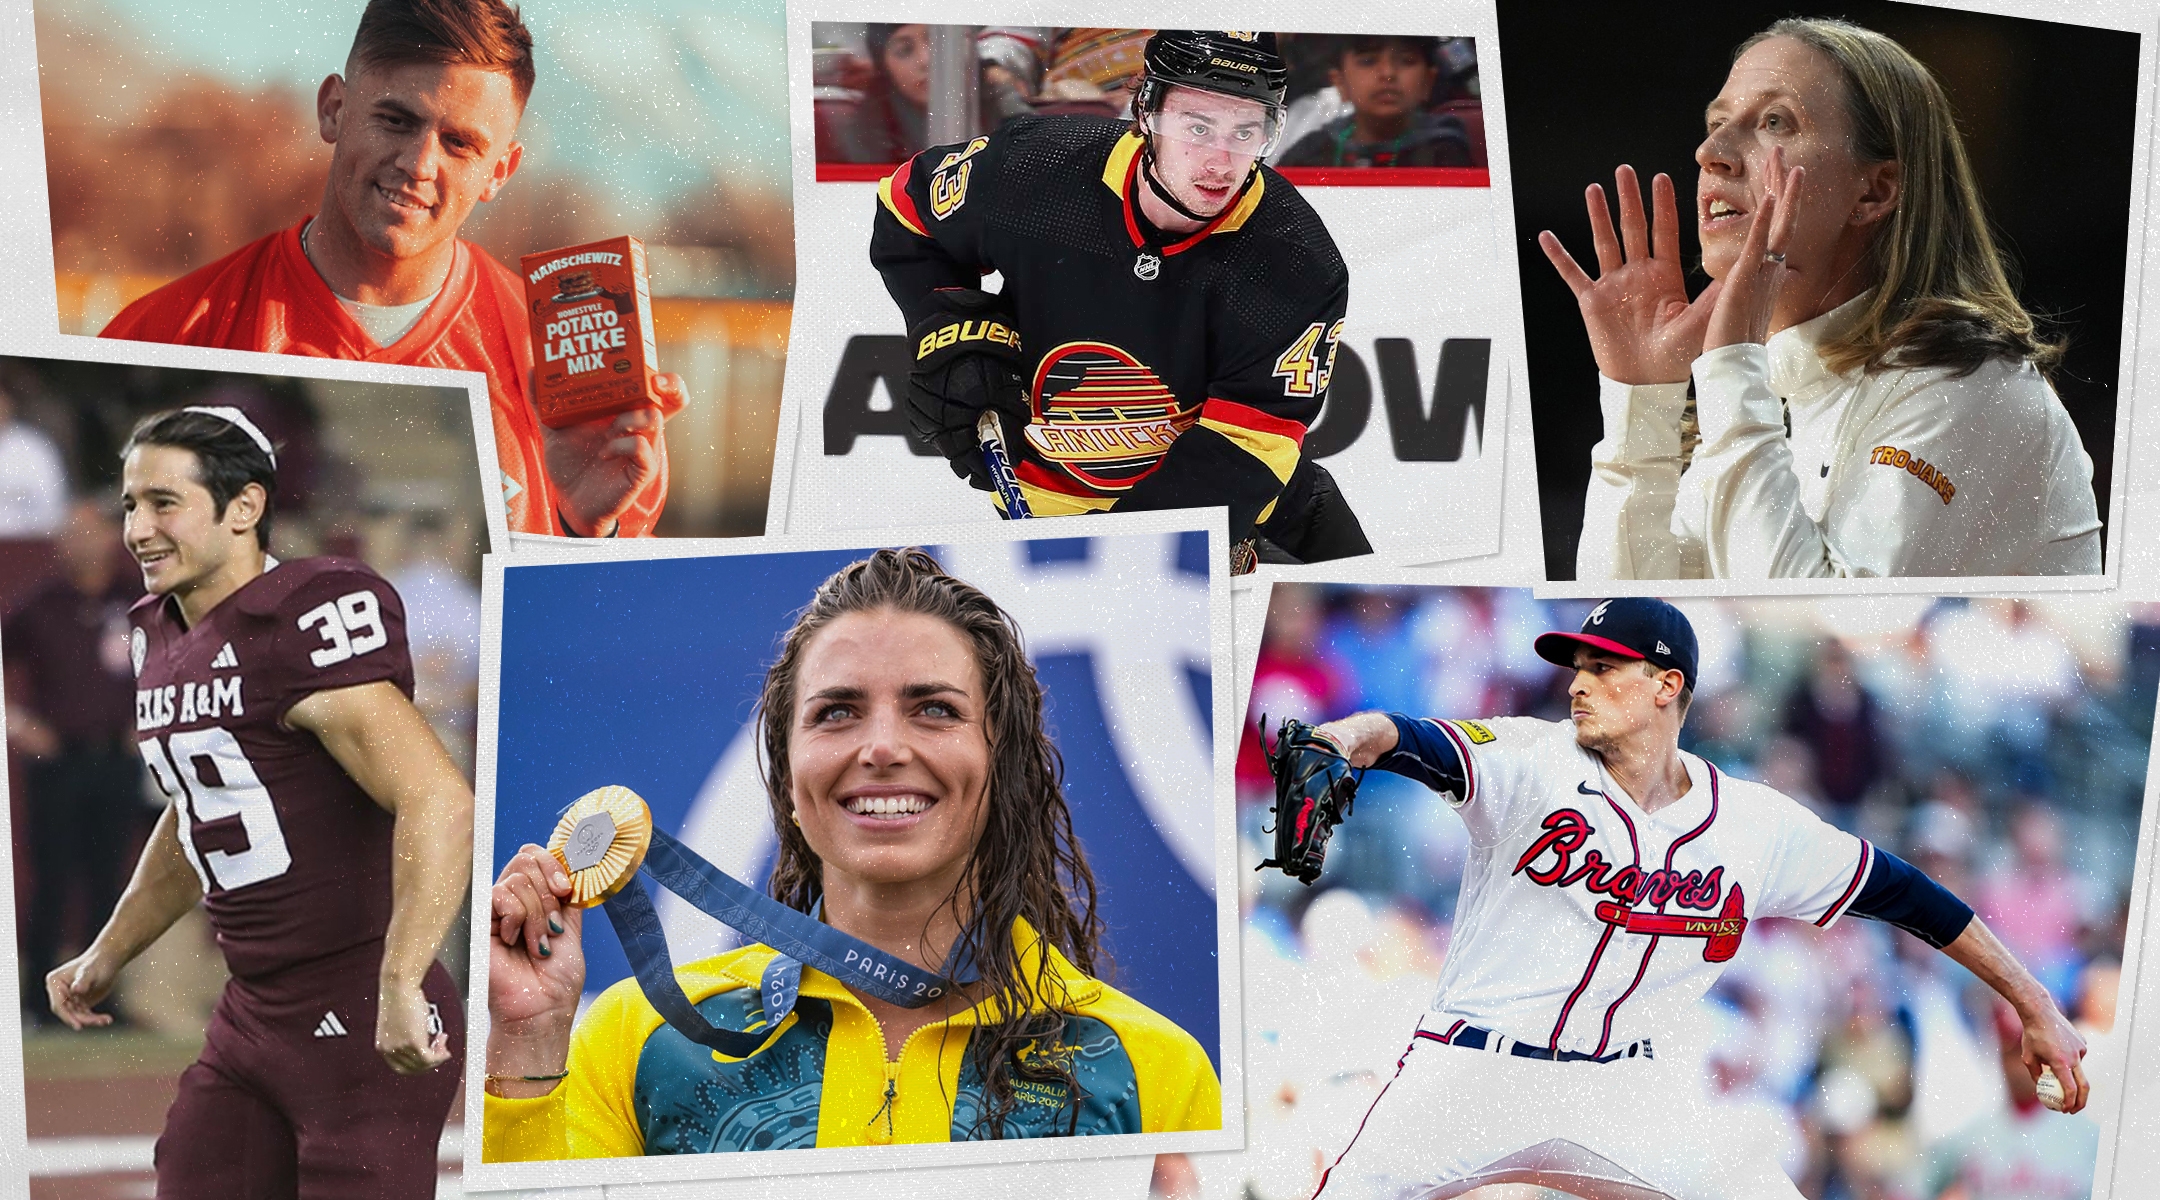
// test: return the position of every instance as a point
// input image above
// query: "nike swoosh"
(1587, 790)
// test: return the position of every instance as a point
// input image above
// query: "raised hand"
(600, 466)
(1642, 327)
(536, 969)
(1751, 288)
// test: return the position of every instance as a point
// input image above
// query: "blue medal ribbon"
(798, 937)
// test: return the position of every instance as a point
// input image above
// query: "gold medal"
(600, 841)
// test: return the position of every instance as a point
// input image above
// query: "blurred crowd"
(1354, 100)
(1999, 745)
(81, 802)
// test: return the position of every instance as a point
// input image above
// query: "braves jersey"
(1164, 371)
(267, 296)
(293, 857)
(1586, 923)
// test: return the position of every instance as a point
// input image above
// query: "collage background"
(2131, 1143)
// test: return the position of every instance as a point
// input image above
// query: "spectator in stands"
(1370, 636)
(70, 714)
(1012, 58)
(891, 122)
(1293, 674)
(1093, 71)
(33, 479)
(2033, 904)
(1838, 721)
(1386, 80)
(442, 626)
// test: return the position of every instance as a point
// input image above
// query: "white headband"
(238, 419)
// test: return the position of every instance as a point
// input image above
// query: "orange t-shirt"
(266, 296)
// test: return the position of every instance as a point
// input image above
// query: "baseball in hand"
(2050, 1089)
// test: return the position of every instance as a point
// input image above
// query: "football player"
(315, 817)
(423, 127)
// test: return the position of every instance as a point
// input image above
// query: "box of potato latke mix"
(592, 331)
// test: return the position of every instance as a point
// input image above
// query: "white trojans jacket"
(1903, 472)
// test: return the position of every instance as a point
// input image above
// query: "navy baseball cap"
(1632, 627)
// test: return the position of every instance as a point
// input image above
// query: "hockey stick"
(992, 439)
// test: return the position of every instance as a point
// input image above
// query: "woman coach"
(1870, 398)
(917, 802)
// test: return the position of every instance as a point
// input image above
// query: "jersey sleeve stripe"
(1279, 455)
(1852, 889)
(1275, 441)
(1462, 751)
(1230, 412)
(892, 193)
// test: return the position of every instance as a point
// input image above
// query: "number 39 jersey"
(1585, 923)
(293, 856)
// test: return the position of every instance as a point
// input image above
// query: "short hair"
(227, 458)
(1943, 296)
(488, 34)
(1427, 48)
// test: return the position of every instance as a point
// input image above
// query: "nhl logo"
(138, 647)
(1147, 266)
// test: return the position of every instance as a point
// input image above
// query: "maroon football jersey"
(294, 858)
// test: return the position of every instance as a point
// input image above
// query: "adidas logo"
(330, 1026)
(226, 660)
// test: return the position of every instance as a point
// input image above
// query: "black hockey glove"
(967, 359)
(1313, 791)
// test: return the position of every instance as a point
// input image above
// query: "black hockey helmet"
(1233, 62)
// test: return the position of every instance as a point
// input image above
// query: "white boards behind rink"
(1413, 429)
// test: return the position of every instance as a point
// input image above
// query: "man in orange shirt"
(423, 127)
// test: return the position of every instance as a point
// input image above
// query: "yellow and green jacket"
(825, 1077)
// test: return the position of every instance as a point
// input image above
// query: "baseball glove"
(967, 359)
(1313, 790)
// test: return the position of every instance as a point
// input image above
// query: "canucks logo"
(1102, 415)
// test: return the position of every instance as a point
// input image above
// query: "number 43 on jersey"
(1305, 367)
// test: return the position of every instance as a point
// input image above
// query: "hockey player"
(1170, 308)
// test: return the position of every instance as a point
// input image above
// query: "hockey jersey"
(1164, 371)
(266, 296)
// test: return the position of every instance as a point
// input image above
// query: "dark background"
(2047, 112)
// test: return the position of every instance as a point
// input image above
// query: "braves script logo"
(1565, 832)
